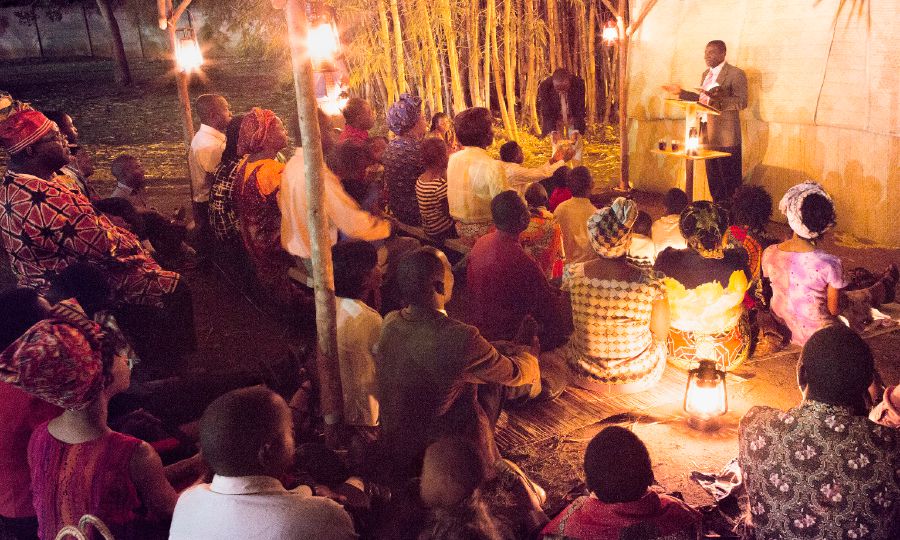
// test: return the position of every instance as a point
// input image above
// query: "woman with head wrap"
(705, 285)
(262, 136)
(403, 158)
(78, 464)
(807, 281)
(619, 312)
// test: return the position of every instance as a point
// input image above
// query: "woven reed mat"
(577, 408)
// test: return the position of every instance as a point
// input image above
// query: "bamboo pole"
(313, 165)
(169, 23)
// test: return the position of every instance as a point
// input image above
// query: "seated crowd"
(559, 291)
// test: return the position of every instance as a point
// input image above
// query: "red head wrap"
(22, 129)
(58, 360)
(255, 128)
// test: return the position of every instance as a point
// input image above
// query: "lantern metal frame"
(708, 375)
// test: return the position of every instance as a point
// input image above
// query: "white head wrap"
(791, 204)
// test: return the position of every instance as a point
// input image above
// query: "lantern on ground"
(187, 50)
(610, 33)
(705, 398)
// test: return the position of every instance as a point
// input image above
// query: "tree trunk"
(591, 64)
(434, 60)
(490, 31)
(555, 56)
(122, 74)
(37, 31)
(509, 70)
(331, 399)
(623, 98)
(446, 20)
(390, 83)
(473, 39)
(498, 82)
(398, 48)
(531, 82)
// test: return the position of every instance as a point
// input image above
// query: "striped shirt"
(431, 194)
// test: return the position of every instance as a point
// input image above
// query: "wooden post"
(623, 98)
(323, 277)
(170, 19)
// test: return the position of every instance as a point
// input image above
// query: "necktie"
(704, 98)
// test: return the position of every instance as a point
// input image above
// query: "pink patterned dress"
(799, 289)
(94, 477)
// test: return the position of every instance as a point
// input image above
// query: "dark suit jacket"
(725, 129)
(548, 105)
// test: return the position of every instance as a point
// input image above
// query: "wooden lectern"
(690, 150)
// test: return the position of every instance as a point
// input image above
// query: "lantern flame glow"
(322, 42)
(610, 34)
(187, 53)
(705, 397)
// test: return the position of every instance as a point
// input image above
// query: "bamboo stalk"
(390, 84)
(398, 48)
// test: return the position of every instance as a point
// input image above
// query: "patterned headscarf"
(254, 132)
(404, 114)
(609, 229)
(23, 128)
(10, 106)
(791, 204)
(58, 359)
(703, 225)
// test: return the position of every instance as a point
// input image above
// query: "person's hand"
(324, 491)
(568, 151)
(673, 89)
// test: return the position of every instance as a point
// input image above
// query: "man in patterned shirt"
(822, 469)
(45, 227)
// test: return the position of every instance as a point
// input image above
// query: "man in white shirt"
(572, 216)
(205, 155)
(357, 280)
(518, 176)
(342, 211)
(248, 441)
(474, 178)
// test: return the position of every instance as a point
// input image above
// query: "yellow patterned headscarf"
(703, 225)
(610, 228)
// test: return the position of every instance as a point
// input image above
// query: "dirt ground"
(236, 330)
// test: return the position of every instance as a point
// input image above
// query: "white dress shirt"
(343, 213)
(666, 233)
(519, 177)
(205, 155)
(257, 507)
(474, 178)
(572, 216)
(358, 330)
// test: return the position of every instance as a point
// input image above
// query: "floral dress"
(612, 349)
(818, 471)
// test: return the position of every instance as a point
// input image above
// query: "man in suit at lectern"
(724, 87)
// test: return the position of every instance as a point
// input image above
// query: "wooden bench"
(452, 244)
(299, 275)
